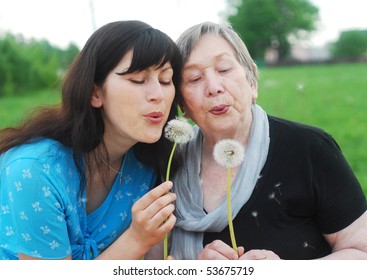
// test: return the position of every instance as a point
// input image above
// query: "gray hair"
(189, 38)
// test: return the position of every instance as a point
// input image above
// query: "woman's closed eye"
(136, 81)
(192, 76)
(195, 80)
(165, 82)
(224, 70)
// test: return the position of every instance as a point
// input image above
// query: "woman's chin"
(150, 139)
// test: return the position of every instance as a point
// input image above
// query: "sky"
(73, 21)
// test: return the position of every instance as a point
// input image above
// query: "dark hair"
(75, 123)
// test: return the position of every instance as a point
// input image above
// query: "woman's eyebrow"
(190, 65)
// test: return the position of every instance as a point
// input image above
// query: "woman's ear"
(255, 93)
(96, 98)
(254, 83)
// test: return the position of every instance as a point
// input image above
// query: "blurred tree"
(67, 56)
(44, 64)
(13, 62)
(351, 45)
(27, 65)
(271, 23)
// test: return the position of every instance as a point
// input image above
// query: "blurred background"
(312, 54)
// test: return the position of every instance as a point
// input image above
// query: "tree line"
(276, 24)
(27, 65)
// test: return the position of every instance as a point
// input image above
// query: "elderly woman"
(294, 196)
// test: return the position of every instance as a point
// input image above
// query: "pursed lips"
(220, 109)
(154, 117)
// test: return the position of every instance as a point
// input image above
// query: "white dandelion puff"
(229, 153)
(179, 131)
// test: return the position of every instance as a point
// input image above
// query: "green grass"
(14, 109)
(334, 98)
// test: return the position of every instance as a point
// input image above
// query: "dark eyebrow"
(123, 72)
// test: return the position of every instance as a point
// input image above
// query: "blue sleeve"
(33, 211)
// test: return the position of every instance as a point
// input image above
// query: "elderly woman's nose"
(213, 83)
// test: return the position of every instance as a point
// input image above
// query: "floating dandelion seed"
(178, 131)
(306, 245)
(229, 153)
(272, 196)
(255, 214)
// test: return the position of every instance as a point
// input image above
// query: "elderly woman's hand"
(218, 250)
(259, 255)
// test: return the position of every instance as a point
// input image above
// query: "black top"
(306, 189)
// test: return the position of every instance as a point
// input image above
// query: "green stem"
(229, 211)
(165, 241)
(170, 161)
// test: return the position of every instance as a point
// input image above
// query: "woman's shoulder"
(299, 136)
(42, 149)
(296, 130)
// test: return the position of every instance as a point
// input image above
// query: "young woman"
(78, 180)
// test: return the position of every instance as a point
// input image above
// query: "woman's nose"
(214, 84)
(155, 91)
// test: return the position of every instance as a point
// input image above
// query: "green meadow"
(14, 109)
(332, 97)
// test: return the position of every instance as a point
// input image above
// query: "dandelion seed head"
(228, 153)
(179, 131)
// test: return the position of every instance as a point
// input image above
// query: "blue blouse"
(43, 212)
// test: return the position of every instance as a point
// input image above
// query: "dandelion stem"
(165, 241)
(229, 211)
(165, 247)
(170, 161)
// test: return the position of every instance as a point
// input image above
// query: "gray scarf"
(192, 220)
